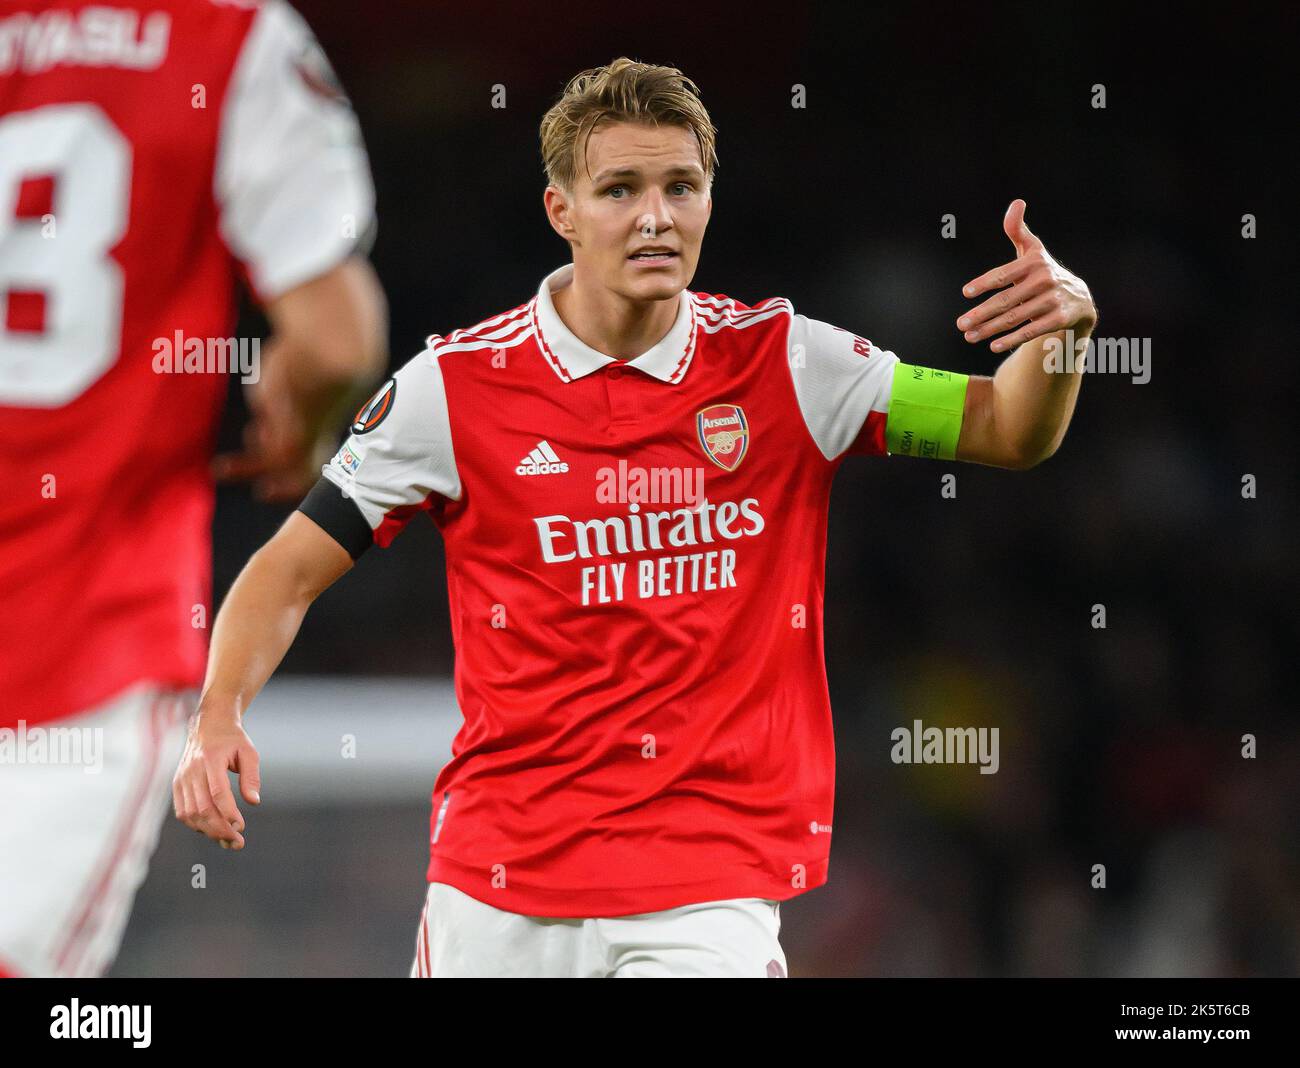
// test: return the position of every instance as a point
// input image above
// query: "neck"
(611, 323)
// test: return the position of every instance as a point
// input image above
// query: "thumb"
(250, 777)
(1013, 223)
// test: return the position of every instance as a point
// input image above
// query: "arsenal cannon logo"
(724, 434)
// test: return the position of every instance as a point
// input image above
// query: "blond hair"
(621, 91)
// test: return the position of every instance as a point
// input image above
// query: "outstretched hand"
(1044, 296)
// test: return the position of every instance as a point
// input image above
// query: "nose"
(656, 218)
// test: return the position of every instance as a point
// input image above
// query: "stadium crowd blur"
(1120, 746)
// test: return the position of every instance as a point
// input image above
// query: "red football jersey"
(150, 152)
(635, 564)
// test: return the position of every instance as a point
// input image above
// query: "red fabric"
(24, 312)
(555, 807)
(35, 198)
(107, 505)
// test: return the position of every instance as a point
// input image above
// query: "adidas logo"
(541, 461)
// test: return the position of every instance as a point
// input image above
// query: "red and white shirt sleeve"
(397, 461)
(292, 180)
(843, 384)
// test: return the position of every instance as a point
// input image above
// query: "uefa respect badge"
(724, 434)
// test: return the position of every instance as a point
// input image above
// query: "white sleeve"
(843, 384)
(399, 453)
(292, 180)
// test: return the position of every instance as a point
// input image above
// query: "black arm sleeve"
(338, 516)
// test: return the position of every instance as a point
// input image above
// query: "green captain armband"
(925, 410)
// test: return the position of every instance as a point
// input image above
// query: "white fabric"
(292, 179)
(462, 937)
(838, 377)
(837, 386)
(75, 843)
(408, 455)
(667, 361)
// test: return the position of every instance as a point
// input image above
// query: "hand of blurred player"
(201, 793)
(289, 434)
(1042, 291)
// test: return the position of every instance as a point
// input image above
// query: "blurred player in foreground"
(150, 153)
(631, 480)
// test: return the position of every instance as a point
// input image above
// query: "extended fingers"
(1035, 308)
(1048, 325)
(1000, 276)
(1004, 302)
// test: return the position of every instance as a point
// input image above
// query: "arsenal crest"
(724, 434)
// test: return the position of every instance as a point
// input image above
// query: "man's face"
(637, 213)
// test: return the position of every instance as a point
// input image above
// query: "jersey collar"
(570, 358)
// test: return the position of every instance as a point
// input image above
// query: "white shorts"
(461, 937)
(82, 803)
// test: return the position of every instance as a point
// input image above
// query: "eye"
(683, 187)
(614, 189)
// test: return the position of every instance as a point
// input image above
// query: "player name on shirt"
(119, 333)
(92, 37)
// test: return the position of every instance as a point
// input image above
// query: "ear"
(556, 202)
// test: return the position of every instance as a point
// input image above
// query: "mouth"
(654, 256)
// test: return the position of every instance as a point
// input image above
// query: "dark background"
(1119, 746)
